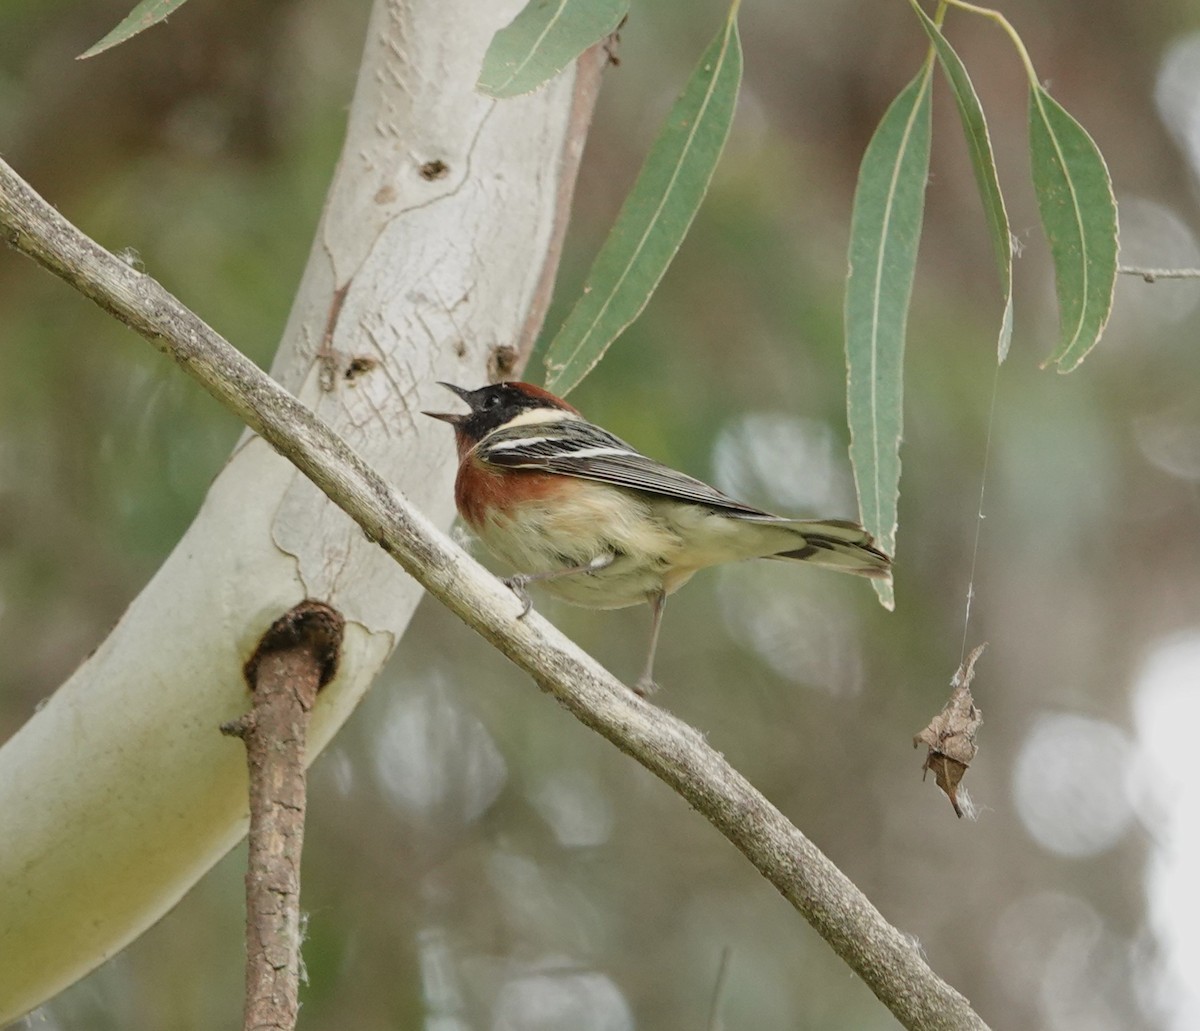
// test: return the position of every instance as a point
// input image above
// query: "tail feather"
(841, 545)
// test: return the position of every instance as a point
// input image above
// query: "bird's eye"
(491, 401)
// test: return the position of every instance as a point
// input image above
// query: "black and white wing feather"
(573, 447)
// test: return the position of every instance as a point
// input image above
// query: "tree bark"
(433, 260)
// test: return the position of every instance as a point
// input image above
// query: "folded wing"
(572, 447)
(577, 448)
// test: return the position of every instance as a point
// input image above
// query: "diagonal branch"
(887, 961)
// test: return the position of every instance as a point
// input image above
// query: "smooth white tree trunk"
(437, 246)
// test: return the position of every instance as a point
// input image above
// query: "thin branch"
(889, 963)
(1152, 274)
(295, 658)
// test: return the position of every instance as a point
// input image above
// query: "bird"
(596, 523)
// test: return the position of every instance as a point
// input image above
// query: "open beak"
(453, 420)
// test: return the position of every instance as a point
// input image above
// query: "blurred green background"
(475, 858)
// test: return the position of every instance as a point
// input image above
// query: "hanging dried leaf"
(950, 735)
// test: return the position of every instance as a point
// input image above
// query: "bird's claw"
(517, 585)
(645, 686)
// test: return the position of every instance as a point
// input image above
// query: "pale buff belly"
(656, 546)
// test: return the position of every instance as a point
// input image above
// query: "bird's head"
(502, 404)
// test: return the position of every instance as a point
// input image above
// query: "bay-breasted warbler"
(597, 523)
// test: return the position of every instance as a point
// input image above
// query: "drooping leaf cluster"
(1079, 216)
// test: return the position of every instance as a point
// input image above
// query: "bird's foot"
(517, 585)
(645, 686)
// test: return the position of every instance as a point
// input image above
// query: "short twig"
(295, 658)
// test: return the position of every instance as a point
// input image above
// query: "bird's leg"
(520, 581)
(645, 683)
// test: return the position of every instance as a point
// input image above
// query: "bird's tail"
(838, 544)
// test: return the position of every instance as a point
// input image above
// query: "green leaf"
(542, 40)
(1079, 215)
(885, 229)
(979, 143)
(656, 214)
(145, 14)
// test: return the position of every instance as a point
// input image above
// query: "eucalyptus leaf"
(145, 14)
(542, 40)
(1079, 215)
(655, 216)
(983, 161)
(885, 230)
